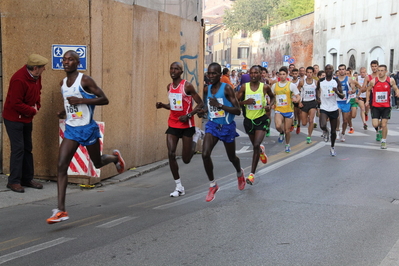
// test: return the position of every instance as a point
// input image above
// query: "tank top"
(328, 98)
(256, 110)
(345, 89)
(283, 98)
(309, 91)
(77, 114)
(215, 114)
(361, 80)
(180, 104)
(382, 93)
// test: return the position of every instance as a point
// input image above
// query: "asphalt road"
(306, 208)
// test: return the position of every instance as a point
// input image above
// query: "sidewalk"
(10, 198)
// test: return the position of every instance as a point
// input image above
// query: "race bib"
(214, 111)
(381, 96)
(282, 100)
(309, 94)
(329, 93)
(176, 101)
(258, 102)
(73, 111)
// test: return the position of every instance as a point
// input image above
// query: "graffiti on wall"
(190, 65)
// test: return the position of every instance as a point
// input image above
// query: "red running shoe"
(263, 156)
(120, 165)
(298, 130)
(241, 180)
(211, 193)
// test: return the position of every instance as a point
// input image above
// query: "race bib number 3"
(176, 101)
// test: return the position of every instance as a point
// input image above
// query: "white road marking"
(233, 184)
(366, 147)
(116, 222)
(392, 258)
(244, 149)
(33, 249)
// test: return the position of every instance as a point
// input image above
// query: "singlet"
(77, 114)
(215, 114)
(361, 80)
(180, 104)
(296, 83)
(345, 89)
(254, 111)
(328, 98)
(381, 93)
(283, 97)
(308, 92)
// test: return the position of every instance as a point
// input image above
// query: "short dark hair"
(295, 70)
(310, 67)
(225, 70)
(217, 65)
(385, 66)
(283, 68)
(342, 65)
(321, 72)
(374, 62)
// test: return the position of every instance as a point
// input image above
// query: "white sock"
(178, 183)
(213, 183)
(239, 173)
(383, 140)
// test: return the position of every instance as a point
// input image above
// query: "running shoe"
(179, 191)
(268, 132)
(383, 145)
(298, 129)
(365, 126)
(308, 140)
(120, 165)
(332, 152)
(58, 216)
(263, 156)
(281, 138)
(378, 136)
(342, 138)
(314, 125)
(287, 148)
(251, 179)
(292, 128)
(351, 130)
(241, 180)
(326, 136)
(366, 117)
(338, 134)
(295, 123)
(211, 193)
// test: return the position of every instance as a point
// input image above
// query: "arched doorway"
(352, 62)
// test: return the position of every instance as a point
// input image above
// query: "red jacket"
(23, 93)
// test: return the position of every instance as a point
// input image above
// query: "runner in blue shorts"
(222, 106)
(80, 94)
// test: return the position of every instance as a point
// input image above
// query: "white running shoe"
(342, 138)
(179, 191)
(338, 135)
(332, 152)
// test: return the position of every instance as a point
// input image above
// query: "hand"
(367, 103)
(300, 105)
(201, 113)
(250, 101)
(335, 89)
(61, 114)
(213, 102)
(74, 100)
(159, 105)
(183, 118)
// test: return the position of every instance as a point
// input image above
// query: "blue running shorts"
(345, 107)
(86, 135)
(226, 133)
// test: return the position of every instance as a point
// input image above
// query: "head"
(309, 71)
(214, 73)
(316, 68)
(302, 72)
(382, 71)
(363, 72)
(321, 74)
(255, 74)
(283, 73)
(226, 71)
(70, 61)
(233, 73)
(36, 65)
(291, 67)
(341, 70)
(348, 72)
(374, 66)
(329, 69)
(295, 73)
(264, 72)
(176, 70)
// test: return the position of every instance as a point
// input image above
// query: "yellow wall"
(130, 49)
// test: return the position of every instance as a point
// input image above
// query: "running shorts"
(286, 115)
(85, 135)
(180, 132)
(330, 115)
(226, 133)
(260, 123)
(345, 107)
(309, 105)
(381, 112)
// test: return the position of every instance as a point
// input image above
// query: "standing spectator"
(226, 77)
(234, 78)
(21, 105)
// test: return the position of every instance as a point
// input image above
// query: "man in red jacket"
(21, 105)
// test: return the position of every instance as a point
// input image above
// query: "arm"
(189, 89)
(90, 86)
(368, 91)
(16, 98)
(267, 90)
(240, 94)
(318, 91)
(159, 105)
(296, 98)
(230, 95)
(338, 90)
(201, 113)
(395, 88)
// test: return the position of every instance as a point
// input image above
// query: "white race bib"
(214, 111)
(381, 96)
(176, 101)
(258, 102)
(282, 100)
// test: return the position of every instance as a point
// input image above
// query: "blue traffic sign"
(286, 58)
(265, 64)
(291, 60)
(58, 51)
(228, 65)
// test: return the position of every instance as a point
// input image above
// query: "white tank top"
(80, 114)
(308, 92)
(328, 98)
(361, 82)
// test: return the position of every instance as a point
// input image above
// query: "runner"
(265, 80)
(353, 101)
(374, 68)
(286, 93)
(362, 94)
(297, 111)
(181, 94)
(328, 89)
(256, 121)
(380, 88)
(348, 87)
(222, 106)
(316, 71)
(308, 105)
(81, 94)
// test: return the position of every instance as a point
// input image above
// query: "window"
(352, 62)
(391, 60)
(243, 52)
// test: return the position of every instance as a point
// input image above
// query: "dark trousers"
(21, 160)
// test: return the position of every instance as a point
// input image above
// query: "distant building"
(356, 32)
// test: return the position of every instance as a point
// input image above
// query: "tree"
(290, 9)
(248, 15)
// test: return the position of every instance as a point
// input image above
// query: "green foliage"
(266, 32)
(251, 15)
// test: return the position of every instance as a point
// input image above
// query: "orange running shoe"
(120, 165)
(58, 216)
(351, 131)
(251, 179)
(263, 156)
